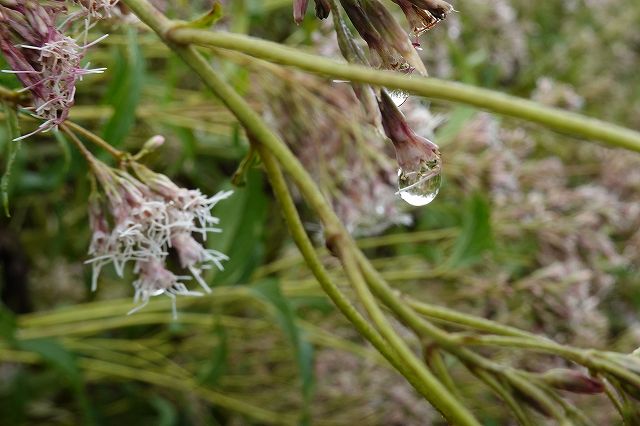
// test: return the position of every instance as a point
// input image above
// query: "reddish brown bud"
(572, 381)
(322, 9)
(411, 149)
(420, 167)
(299, 9)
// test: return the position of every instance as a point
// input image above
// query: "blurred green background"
(531, 228)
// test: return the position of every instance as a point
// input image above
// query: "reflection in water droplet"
(419, 188)
(398, 97)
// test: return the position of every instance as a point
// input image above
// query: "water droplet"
(398, 97)
(420, 187)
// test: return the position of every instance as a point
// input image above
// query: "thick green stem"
(416, 374)
(554, 118)
(441, 396)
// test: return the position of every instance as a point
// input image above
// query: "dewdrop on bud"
(419, 161)
(398, 96)
(420, 187)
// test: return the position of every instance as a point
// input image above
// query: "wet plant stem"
(415, 373)
(554, 118)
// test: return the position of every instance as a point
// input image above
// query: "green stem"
(506, 395)
(430, 389)
(554, 118)
(458, 318)
(440, 397)
(12, 96)
(95, 139)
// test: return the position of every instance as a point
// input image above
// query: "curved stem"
(554, 118)
(441, 397)
(95, 139)
(417, 375)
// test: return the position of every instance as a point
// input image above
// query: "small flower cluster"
(97, 9)
(388, 42)
(46, 61)
(140, 219)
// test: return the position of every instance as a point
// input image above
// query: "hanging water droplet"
(398, 97)
(420, 187)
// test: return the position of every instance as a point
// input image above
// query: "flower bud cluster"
(142, 219)
(388, 42)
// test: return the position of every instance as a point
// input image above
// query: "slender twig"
(96, 140)
(78, 143)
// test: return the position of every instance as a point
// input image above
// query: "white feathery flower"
(155, 279)
(194, 257)
(148, 216)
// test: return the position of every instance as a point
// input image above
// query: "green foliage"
(11, 150)
(269, 290)
(123, 93)
(223, 361)
(476, 236)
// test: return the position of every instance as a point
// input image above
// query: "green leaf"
(13, 131)
(269, 290)
(56, 356)
(208, 19)
(63, 361)
(242, 218)
(15, 397)
(476, 236)
(7, 324)
(167, 413)
(124, 91)
(215, 367)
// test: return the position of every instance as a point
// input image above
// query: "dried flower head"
(388, 42)
(424, 14)
(46, 61)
